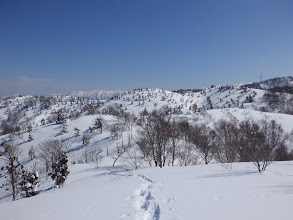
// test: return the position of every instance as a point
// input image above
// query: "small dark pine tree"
(60, 118)
(29, 184)
(209, 101)
(30, 137)
(43, 121)
(249, 98)
(3, 142)
(29, 128)
(32, 153)
(85, 143)
(98, 125)
(60, 170)
(76, 132)
(85, 140)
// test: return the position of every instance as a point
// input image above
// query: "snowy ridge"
(213, 98)
(96, 94)
(271, 83)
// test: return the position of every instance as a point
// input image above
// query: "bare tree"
(116, 154)
(187, 154)
(274, 138)
(205, 140)
(128, 120)
(153, 137)
(227, 138)
(252, 141)
(132, 157)
(174, 134)
(259, 142)
(96, 156)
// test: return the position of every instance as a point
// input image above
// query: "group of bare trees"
(279, 100)
(259, 143)
(162, 140)
(125, 147)
(246, 141)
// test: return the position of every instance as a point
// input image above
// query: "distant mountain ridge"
(271, 83)
(96, 94)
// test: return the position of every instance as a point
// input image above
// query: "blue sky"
(57, 46)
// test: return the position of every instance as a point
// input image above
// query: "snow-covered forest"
(221, 152)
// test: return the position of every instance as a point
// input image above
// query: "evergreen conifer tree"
(29, 184)
(30, 137)
(60, 170)
(60, 117)
(14, 176)
(32, 153)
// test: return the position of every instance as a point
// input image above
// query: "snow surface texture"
(200, 192)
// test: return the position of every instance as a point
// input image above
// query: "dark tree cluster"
(60, 169)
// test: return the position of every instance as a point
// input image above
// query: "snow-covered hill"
(216, 97)
(271, 83)
(121, 192)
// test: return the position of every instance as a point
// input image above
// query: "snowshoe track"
(147, 208)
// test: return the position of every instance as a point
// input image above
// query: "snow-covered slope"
(271, 83)
(213, 98)
(200, 192)
(204, 192)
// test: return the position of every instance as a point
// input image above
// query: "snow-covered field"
(217, 191)
(214, 191)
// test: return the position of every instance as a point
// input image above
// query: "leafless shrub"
(95, 156)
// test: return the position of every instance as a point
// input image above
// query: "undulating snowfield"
(217, 191)
(214, 191)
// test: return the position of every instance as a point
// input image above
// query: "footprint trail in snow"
(150, 202)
